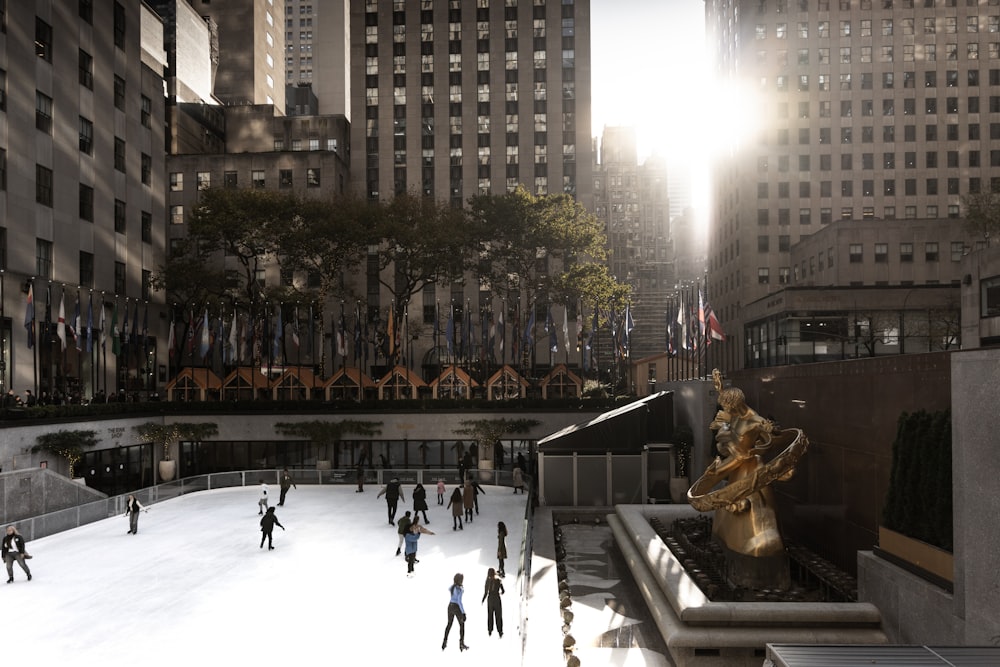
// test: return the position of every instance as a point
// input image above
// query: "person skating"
(440, 489)
(455, 503)
(518, 479)
(412, 538)
(132, 509)
(360, 475)
(456, 611)
(286, 483)
(393, 494)
(402, 528)
(494, 607)
(267, 524)
(468, 500)
(476, 490)
(12, 549)
(420, 501)
(501, 545)
(262, 503)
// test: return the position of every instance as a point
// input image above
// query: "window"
(120, 155)
(856, 253)
(87, 11)
(881, 253)
(120, 218)
(119, 26)
(86, 203)
(43, 185)
(176, 215)
(284, 178)
(146, 112)
(146, 169)
(86, 269)
(146, 219)
(763, 243)
(86, 70)
(931, 251)
(119, 93)
(257, 178)
(204, 180)
(3, 88)
(312, 177)
(43, 112)
(957, 251)
(230, 180)
(905, 252)
(86, 136)
(43, 40)
(763, 275)
(3, 169)
(43, 259)
(120, 277)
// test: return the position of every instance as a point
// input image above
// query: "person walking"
(476, 490)
(440, 489)
(455, 503)
(393, 494)
(286, 483)
(501, 546)
(468, 500)
(262, 503)
(412, 538)
(456, 611)
(494, 608)
(12, 549)
(360, 476)
(420, 501)
(518, 479)
(132, 509)
(402, 528)
(267, 524)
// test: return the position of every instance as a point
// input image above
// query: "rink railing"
(43, 525)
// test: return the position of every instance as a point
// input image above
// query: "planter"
(168, 469)
(678, 489)
(921, 556)
(323, 465)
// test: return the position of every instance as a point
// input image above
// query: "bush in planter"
(67, 444)
(919, 500)
(165, 434)
(326, 433)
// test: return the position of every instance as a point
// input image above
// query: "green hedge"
(919, 500)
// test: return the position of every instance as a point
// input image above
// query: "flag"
(357, 332)
(529, 328)
(714, 326)
(629, 325)
(342, 335)
(579, 327)
(115, 338)
(192, 330)
(134, 337)
(29, 316)
(76, 326)
(550, 329)
(279, 331)
(171, 337)
(104, 319)
(90, 324)
(295, 327)
(390, 334)
(123, 336)
(669, 335)
(449, 332)
(233, 339)
(701, 315)
(492, 339)
(469, 334)
(503, 330)
(205, 343)
(682, 323)
(61, 322)
(566, 327)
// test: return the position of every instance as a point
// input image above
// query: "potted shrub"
(324, 434)
(680, 482)
(487, 433)
(164, 435)
(67, 444)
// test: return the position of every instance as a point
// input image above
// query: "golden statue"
(745, 520)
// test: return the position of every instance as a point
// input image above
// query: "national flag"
(29, 316)
(205, 343)
(191, 332)
(90, 324)
(279, 331)
(357, 332)
(468, 334)
(61, 322)
(342, 336)
(529, 328)
(295, 327)
(550, 329)
(515, 339)
(503, 330)
(75, 330)
(714, 326)
(701, 315)
(104, 319)
(124, 333)
(449, 332)
(233, 352)
(134, 336)
(492, 337)
(115, 336)
(579, 327)
(682, 323)
(171, 337)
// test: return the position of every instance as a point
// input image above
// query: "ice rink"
(193, 587)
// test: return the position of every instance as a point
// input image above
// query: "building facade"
(860, 111)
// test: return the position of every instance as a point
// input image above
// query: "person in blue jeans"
(456, 610)
(411, 539)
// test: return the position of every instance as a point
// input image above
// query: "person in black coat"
(420, 501)
(267, 524)
(494, 607)
(12, 549)
(132, 509)
(476, 490)
(393, 494)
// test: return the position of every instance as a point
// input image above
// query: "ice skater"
(132, 509)
(262, 503)
(455, 503)
(12, 549)
(456, 610)
(412, 538)
(494, 607)
(393, 494)
(440, 488)
(267, 524)
(476, 490)
(286, 483)
(360, 475)
(420, 501)
(402, 528)
(518, 479)
(501, 547)
(468, 500)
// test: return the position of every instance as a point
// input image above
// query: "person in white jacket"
(132, 509)
(262, 503)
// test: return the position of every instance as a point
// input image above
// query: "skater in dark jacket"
(267, 524)
(402, 528)
(132, 509)
(393, 494)
(501, 545)
(494, 608)
(12, 549)
(412, 538)
(286, 483)
(468, 500)
(456, 610)
(455, 503)
(476, 490)
(420, 501)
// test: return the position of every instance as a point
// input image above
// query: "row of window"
(804, 6)
(886, 27)
(880, 251)
(44, 37)
(888, 187)
(868, 163)
(805, 215)
(866, 134)
(230, 179)
(952, 79)
(44, 267)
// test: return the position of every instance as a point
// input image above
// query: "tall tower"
(318, 50)
(456, 98)
(865, 111)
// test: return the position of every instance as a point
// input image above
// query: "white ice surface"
(193, 587)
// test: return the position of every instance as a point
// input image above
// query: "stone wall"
(27, 493)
